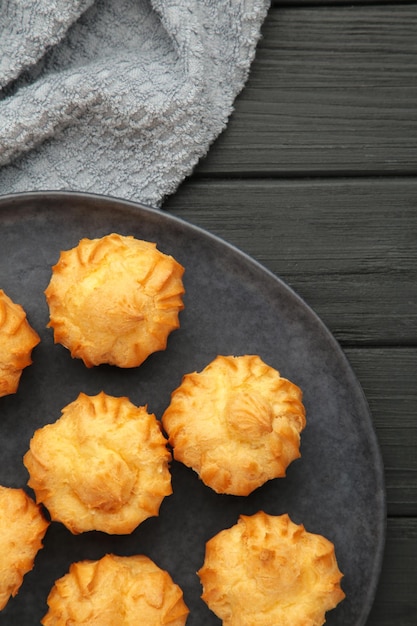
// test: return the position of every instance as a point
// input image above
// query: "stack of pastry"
(104, 464)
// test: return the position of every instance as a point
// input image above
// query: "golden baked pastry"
(114, 300)
(116, 591)
(267, 570)
(17, 339)
(103, 465)
(237, 423)
(22, 528)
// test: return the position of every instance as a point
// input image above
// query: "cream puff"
(103, 465)
(114, 300)
(237, 423)
(268, 570)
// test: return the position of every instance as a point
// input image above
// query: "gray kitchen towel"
(120, 97)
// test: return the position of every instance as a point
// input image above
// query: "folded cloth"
(120, 97)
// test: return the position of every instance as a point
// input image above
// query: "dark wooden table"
(316, 178)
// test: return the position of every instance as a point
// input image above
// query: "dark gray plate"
(233, 306)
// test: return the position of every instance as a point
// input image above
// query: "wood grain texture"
(348, 247)
(395, 601)
(326, 3)
(332, 90)
(389, 379)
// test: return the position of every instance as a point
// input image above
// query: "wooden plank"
(389, 380)
(396, 599)
(306, 230)
(332, 89)
(303, 3)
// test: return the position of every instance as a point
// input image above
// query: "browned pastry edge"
(103, 465)
(268, 570)
(116, 591)
(114, 300)
(17, 340)
(22, 529)
(237, 423)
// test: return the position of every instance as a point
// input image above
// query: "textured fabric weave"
(120, 97)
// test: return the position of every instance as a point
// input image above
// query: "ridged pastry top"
(114, 300)
(116, 591)
(237, 423)
(102, 466)
(17, 339)
(267, 570)
(22, 528)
